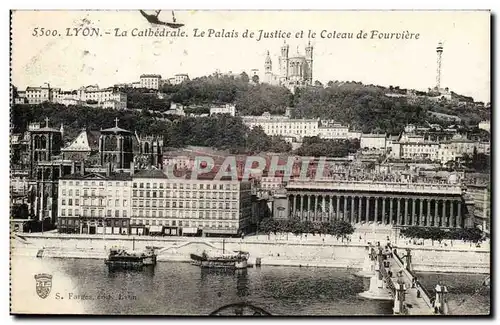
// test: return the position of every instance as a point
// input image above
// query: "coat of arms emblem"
(43, 284)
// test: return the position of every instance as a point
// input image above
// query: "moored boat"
(121, 258)
(235, 260)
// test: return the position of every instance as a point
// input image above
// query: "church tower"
(116, 147)
(284, 63)
(309, 60)
(268, 69)
(44, 144)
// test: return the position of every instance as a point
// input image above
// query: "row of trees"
(434, 233)
(337, 228)
(317, 147)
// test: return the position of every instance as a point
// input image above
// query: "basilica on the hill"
(295, 70)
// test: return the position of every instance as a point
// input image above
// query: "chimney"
(82, 170)
(132, 168)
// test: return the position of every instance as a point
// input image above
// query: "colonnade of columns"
(356, 208)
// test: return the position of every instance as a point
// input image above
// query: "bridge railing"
(427, 296)
(388, 280)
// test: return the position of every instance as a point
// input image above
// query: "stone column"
(292, 199)
(443, 216)
(360, 202)
(308, 215)
(398, 216)
(352, 210)
(421, 212)
(337, 208)
(451, 222)
(344, 217)
(384, 221)
(459, 214)
(323, 210)
(367, 209)
(303, 209)
(375, 217)
(407, 216)
(413, 206)
(436, 214)
(316, 207)
(330, 211)
(428, 221)
(391, 210)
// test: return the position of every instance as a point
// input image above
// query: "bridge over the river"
(391, 278)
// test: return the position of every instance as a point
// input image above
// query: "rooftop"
(150, 173)
(98, 176)
(150, 76)
(116, 129)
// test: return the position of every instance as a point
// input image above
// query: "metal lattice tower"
(439, 51)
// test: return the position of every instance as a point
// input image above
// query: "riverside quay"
(387, 203)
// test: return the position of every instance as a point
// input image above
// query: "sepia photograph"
(250, 163)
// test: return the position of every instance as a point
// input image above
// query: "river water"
(86, 286)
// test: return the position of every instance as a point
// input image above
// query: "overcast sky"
(70, 62)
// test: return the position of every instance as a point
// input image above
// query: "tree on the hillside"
(255, 79)
(244, 77)
(257, 140)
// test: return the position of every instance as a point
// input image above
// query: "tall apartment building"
(38, 95)
(189, 206)
(178, 78)
(150, 81)
(284, 126)
(94, 203)
(105, 98)
(147, 201)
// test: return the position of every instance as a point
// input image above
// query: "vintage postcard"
(260, 163)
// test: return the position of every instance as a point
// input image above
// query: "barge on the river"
(121, 258)
(232, 261)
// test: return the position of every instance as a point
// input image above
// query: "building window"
(124, 213)
(117, 213)
(77, 192)
(63, 202)
(108, 213)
